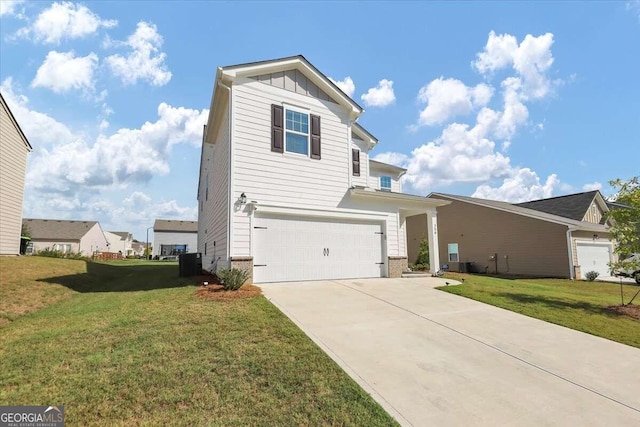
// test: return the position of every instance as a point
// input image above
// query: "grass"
(130, 344)
(575, 304)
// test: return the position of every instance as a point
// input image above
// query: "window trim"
(307, 113)
(449, 253)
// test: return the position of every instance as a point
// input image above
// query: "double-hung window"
(296, 132)
(452, 248)
(385, 183)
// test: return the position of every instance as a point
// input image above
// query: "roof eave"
(391, 196)
(282, 64)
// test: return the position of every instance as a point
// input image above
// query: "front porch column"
(432, 235)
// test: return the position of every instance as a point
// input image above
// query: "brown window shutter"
(277, 131)
(355, 161)
(315, 137)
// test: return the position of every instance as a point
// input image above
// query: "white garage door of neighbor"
(292, 248)
(594, 257)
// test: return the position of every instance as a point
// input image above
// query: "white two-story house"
(287, 190)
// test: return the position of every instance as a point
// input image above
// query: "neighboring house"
(138, 248)
(287, 190)
(120, 242)
(174, 237)
(558, 237)
(85, 237)
(14, 148)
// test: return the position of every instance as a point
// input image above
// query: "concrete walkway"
(432, 358)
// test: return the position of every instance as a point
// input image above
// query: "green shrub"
(52, 253)
(418, 267)
(592, 275)
(232, 279)
(423, 254)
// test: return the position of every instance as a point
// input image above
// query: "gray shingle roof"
(57, 229)
(520, 210)
(122, 234)
(572, 206)
(175, 225)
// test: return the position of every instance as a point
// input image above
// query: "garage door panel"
(594, 257)
(290, 248)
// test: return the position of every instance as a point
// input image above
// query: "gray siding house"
(14, 148)
(174, 237)
(563, 236)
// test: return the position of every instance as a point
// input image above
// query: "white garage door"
(291, 248)
(594, 257)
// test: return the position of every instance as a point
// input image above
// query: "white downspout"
(229, 186)
(570, 253)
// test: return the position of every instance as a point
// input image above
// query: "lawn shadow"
(556, 303)
(105, 277)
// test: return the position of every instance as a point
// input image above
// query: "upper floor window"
(297, 132)
(385, 183)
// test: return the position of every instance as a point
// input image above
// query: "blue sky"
(506, 100)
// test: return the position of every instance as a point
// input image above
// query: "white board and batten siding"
(214, 213)
(13, 163)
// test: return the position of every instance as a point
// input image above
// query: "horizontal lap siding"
(214, 218)
(534, 247)
(174, 238)
(93, 240)
(375, 180)
(283, 179)
(13, 161)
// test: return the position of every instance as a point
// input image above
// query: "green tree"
(626, 216)
(625, 229)
(25, 231)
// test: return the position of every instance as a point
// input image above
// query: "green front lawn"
(130, 344)
(575, 304)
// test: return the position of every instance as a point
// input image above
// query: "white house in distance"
(287, 190)
(85, 237)
(174, 237)
(120, 242)
(14, 148)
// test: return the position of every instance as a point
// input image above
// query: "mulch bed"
(215, 291)
(631, 310)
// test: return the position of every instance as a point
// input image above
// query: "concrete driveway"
(432, 358)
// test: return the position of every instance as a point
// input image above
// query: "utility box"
(190, 264)
(464, 267)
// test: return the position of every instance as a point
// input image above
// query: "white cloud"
(69, 162)
(381, 95)
(634, 6)
(62, 72)
(448, 98)
(531, 60)
(40, 129)
(522, 185)
(592, 186)
(65, 20)
(346, 85)
(397, 159)
(145, 61)
(117, 160)
(475, 152)
(8, 7)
